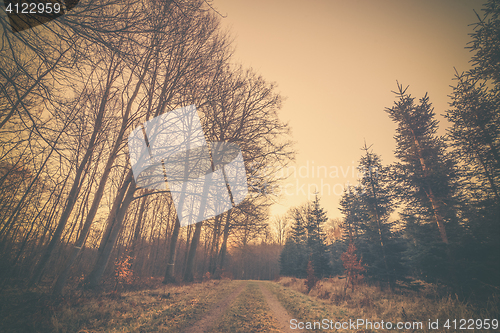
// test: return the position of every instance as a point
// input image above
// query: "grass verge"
(328, 299)
(166, 309)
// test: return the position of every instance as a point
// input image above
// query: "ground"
(237, 306)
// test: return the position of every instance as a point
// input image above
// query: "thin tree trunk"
(188, 243)
(212, 265)
(379, 225)
(189, 276)
(102, 261)
(75, 189)
(138, 228)
(61, 281)
(169, 272)
(228, 224)
(434, 204)
(223, 248)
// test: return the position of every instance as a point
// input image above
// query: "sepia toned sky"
(336, 62)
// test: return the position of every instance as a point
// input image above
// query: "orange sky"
(336, 62)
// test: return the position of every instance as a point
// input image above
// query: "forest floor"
(241, 306)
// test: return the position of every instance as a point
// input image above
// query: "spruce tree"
(350, 207)
(475, 117)
(366, 215)
(377, 202)
(474, 136)
(316, 238)
(294, 256)
(307, 242)
(426, 173)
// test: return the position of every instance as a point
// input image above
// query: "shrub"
(123, 271)
(353, 267)
(311, 279)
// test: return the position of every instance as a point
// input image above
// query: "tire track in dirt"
(202, 325)
(280, 314)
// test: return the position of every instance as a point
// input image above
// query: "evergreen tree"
(299, 217)
(293, 259)
(475, 117)
(377, 245)
(425, 172)
(307, 242)
(366, 216)
(475, 138)
(294, 256)
(316, 238)
(350, 207)
(426, 183)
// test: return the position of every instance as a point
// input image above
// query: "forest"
(73, 217)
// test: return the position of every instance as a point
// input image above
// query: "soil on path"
(206, 322)
(280, 314)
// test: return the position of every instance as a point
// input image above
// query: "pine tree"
(475, 116)
(311, 279)
(377, 202)
(350, 207)
(299, 217)
(366, 216)
(316, 238)
(474, 136)
(294, 256)
(426, 173)
(307, 242)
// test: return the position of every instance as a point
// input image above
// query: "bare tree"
(280, 226)
(187, 62)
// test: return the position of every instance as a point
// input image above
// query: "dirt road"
(275, 314)
(209, 307)
(208, 320)
(279, 312)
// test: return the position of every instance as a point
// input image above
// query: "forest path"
(280, 314)
(203, 325)
(255, 310)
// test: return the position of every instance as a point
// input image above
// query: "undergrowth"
(167, 309)
(330, 299)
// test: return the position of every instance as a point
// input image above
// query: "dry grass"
(171, 308)
(165, 309)
(330, 300)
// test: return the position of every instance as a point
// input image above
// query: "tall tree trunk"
(61, 281)
(188, 243)
(379, 226)
(223, 248)
(428, 191)
(214, 247)
(169, 272)
(189, 276)
(10, 222)
(102, 261)
(75, 189)
(63, 276)
(227, 227)
(138, 228)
